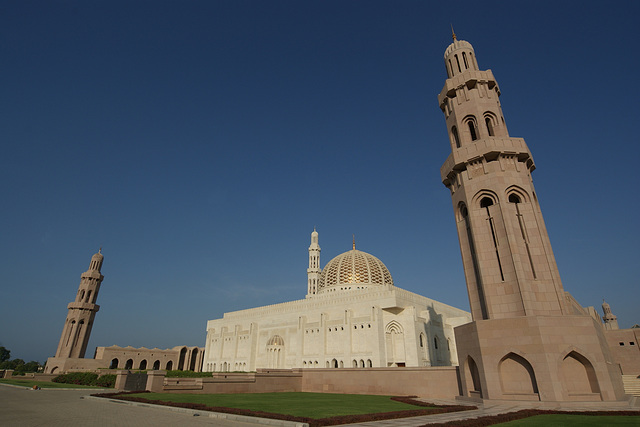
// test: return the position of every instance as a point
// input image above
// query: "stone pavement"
(22, 407)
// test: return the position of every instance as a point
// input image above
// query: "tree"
(5, 354)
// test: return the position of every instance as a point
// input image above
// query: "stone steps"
(631, 384)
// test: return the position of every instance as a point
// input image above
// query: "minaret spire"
(609, 319)
(354, 242)
(313, 272)
(453, 34)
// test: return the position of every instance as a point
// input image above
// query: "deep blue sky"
(200, 142)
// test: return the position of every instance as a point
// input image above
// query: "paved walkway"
(21, 407)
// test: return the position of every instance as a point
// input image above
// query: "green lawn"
(574, 421)
(44, 384)
(310, 405)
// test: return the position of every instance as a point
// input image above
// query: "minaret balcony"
(489, 148)
(469, 78)
(83, 306)
(92, 274)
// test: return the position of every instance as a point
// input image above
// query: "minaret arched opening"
(456, 137)
(472, 127)
(485, 202)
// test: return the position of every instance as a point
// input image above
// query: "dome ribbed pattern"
(275, 340)
(354, 268)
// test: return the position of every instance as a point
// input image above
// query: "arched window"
(458, 62)
(114, 364)
(485, 202)
(143, 365)
(156, 365)
(183, 354)
(472, 125)
(472, 130)
(194, 357)
(491, 122)
(129, 364)
(487, 121)
(518, 198)
(456, 137)
(169, 365)
(463, 211)
(464, 57)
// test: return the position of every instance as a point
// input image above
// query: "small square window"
(621, 343)
(632, 343)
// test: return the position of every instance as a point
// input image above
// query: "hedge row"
(188, 374)
(87, 378)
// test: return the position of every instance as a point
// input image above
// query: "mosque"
(526, 338)
(353, 316)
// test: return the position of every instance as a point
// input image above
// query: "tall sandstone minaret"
(527, 341)
(508, 262)
(82, 311)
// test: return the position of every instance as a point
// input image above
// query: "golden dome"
(354, 270)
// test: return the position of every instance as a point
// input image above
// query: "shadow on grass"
(429, 409)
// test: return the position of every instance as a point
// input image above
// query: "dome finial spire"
(354, 241)
(453, 34)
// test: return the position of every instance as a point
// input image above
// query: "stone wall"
(625, 348)
(434, 382)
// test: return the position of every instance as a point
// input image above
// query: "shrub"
(188, 374)
(80, 378)
(106, 381)
(86, 378)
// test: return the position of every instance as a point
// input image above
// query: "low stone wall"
(270, 381)
(32, 376)
(35, 376)
(433, 382)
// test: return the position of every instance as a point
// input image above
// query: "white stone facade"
(352, 317)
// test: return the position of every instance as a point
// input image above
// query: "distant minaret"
(313, 272)
(609, 319)
(82, 311)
